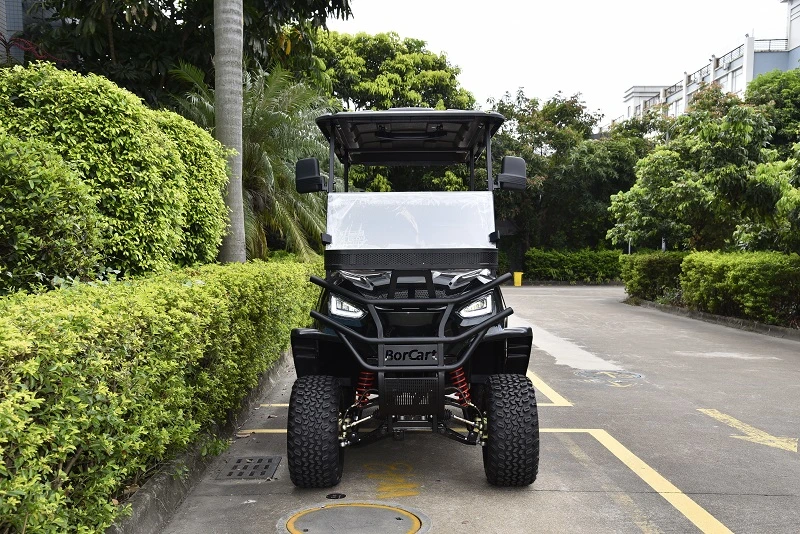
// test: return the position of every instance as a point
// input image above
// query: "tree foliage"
(384, 71)
(136, 42)
(713, 184)
(278, 129)
(571, 174)
(778, 95)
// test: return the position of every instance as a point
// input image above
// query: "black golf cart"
(411, 329)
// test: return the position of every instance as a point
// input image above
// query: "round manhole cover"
(355, 518)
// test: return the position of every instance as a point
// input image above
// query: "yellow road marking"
(394, 480)
(623, 500)
(279, 405)
(681, 502)
(263, 431)
(751, 433)
(547, 391)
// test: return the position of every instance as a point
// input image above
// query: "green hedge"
(762, 286)
(99, 383)
(48, 220)
(205, 215)
(652, 275)
(578, 266)
(154, 175)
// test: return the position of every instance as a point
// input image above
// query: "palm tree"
(228, 46)
(278, 129)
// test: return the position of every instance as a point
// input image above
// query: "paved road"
(650, 423)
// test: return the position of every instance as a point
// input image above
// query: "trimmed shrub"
(99, 383)
(652, 275)
(761, 286)
(116, 144)
(579, 266)
(47, 217)
(205, 215)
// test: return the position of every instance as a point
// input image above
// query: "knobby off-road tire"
(511, 452)
(313, 452)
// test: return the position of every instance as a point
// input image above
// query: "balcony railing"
(608, 126)
(698, 75)
(650, 102)
(672, 89)
(728, 58)
(771, 45)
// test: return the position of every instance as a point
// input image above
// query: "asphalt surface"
(650, 423)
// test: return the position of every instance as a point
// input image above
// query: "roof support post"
(472, 169)
(489, 179)
(332, 158)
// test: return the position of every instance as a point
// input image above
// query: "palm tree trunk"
(228, 46)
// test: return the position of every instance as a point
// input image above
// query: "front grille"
(410, 396)
(404, 293)
(411, 259)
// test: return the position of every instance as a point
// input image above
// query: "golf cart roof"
(409, 136)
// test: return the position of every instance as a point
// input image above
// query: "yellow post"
(517, 278)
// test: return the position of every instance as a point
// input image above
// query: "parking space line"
(547, 391)
(680, 501)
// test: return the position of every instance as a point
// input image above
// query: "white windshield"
(414, 220)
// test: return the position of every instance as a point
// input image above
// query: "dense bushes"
(100, 383)
(204, 220)
(652, 276)
(146, 169)
(579, 266)
(763, 286)
(48, 222)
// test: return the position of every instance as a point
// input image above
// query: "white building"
(732, 70)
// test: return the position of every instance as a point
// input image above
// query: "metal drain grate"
(261, 467)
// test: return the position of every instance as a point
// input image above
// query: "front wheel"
(511, 448)
(314, 454)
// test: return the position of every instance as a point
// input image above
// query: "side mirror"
(512, 174)
(306, 176)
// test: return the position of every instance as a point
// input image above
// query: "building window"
(736, 82)
(676, 108)
(724, 82)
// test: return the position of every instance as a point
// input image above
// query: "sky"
(596, 48)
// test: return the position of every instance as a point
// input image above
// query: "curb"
(731, 322)
(155, 503)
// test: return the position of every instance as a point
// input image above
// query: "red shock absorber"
(366, 381)
(460, 383)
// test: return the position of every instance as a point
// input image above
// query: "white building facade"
(732, 70)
